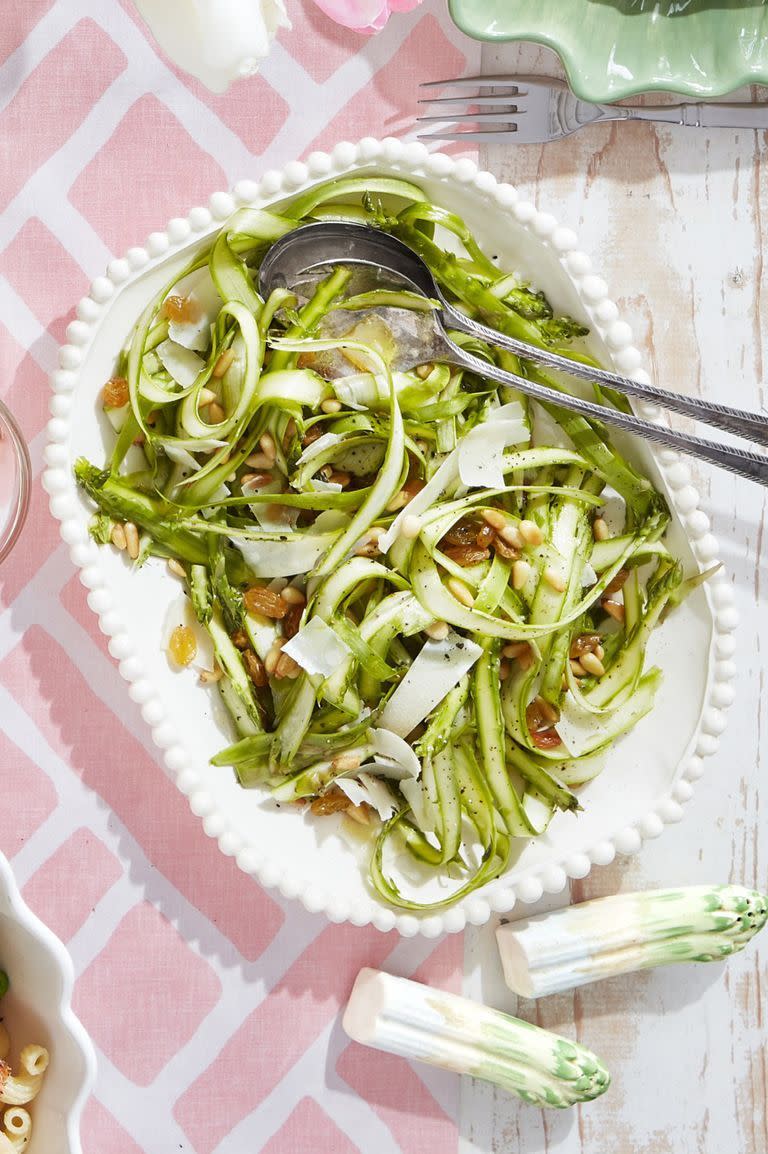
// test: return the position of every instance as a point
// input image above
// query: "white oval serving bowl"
(37, 1008)
(646, 783)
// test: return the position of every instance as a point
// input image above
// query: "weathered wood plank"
(673, 219)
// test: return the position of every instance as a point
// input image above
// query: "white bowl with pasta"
(51, 1058)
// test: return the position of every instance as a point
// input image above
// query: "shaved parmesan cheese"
(416, 796)
(588, 575)
(317, 648)
(183, 365)
(438, 667)
(578, 728)
(204, 305)
(317, 447)
(368, 790)
(270, 516)
(481, 451)
(296, 553)
(356, 792)
(395, 749)
(379, 794)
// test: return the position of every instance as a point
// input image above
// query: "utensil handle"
(751, 466)
(700, 115)
(742, 423)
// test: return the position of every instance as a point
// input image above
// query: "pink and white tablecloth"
(213, 1004)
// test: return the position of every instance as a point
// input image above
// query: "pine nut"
(599, 529)
(267, 443)
(548, 711)
(210, 676)
(206, 397)
(117, 537)
(272, 658)
(592, 664)
(555, 579)
(515, 649)
(599, 652)
(423, 371)
(345, 762)
(256, 479)
(495, 519)
(411, 526)
(460, 591)
(521, 571)
(358, 813)
(290, 433)
(512, 535)
(504, 668)
(399, 501)
(438, 630)
(531, 533)
(259, 461)
(614, 609)
(287, 667)
(176, 568)
(526, 659)
(293, 595)
(577, 669)
(215, 413)
(331, 406)
(222, 364)
(131, 540)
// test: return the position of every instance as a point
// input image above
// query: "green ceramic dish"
(612, 49)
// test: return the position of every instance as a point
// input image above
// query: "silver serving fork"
(536, 109)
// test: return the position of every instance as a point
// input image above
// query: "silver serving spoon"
(314, 247)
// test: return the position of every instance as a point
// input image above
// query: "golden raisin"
(466, 555)
(255, 669)
(584, 643)
(464, 532)
(115, 393)
(504, 549)
(292, 620)
(546, 739)
(332, 801)
(240, 639)
(618, 581)
(485, 535)
(259, 599)
(540, 715)
(313, 433)
(182, 646)
(182, 310)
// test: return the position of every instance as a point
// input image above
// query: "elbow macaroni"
(18, 1090)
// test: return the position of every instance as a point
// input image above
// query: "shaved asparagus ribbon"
(430, 618)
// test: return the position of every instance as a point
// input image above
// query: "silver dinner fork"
(535, 109)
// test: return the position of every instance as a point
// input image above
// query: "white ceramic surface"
(650, 772)
(37, 1008)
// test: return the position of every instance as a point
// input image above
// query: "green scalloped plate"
(612, 49)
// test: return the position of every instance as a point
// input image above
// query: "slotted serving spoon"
(326, 245)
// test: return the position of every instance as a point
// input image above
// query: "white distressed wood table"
(673, 219)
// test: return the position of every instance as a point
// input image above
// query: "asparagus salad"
(420, 615)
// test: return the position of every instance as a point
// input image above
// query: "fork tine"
(479, 81)
(497, 98)
(488, 137)
(485, 117)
